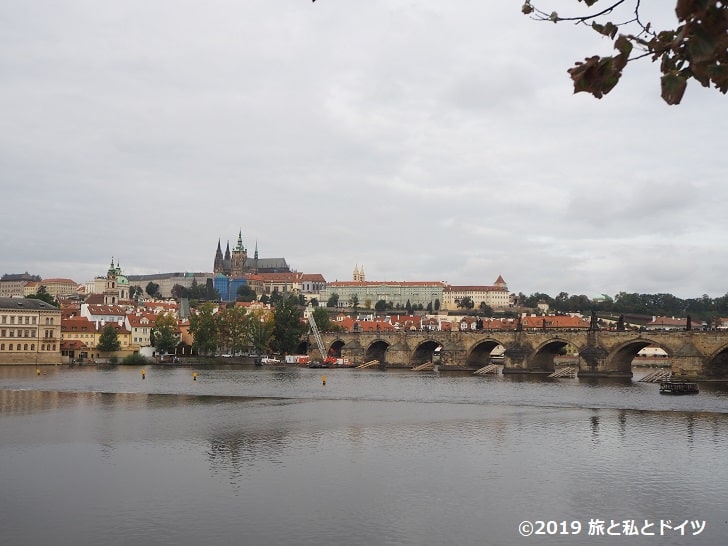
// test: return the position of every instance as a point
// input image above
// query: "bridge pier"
(687, 366)
(353, 351)
(453, 355)
(398, 355)
(517, 359)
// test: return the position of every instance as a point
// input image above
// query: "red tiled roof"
(77, 324)
(365, 325)
(135, 319)
(115, 310)
(380, 283)
(72, 345)
(450, 288)
(555, 321)
(313, 277)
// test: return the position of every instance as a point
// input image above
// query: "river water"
(269, 456)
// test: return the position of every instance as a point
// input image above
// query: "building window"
(25, 346)
(33, 321)
(2, 346)
(17, 347)
(32, 346)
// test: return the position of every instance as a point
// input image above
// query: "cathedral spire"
(240, 247)
(218, 266)
(256, 250)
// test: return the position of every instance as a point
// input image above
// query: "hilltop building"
(424, 293)
(233, 269)
(11, 285)
(236, 263)
(111, 289)
(495, 296)
(368, 293)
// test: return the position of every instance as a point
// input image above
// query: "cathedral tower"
(237, 258)
(219, 266)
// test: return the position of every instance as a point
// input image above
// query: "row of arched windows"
(27, 347)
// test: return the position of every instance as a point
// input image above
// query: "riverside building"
(30, 332)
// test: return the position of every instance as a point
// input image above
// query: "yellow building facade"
(30, 332)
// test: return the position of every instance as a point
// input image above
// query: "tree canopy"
(43, 295)
(165, 337)
(697, 48)
(109, 340)
(703, 308)
(288, 327)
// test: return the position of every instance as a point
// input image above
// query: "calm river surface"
(269, 456)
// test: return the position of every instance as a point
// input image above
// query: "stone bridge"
(693, 353)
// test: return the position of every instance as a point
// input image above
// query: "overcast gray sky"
(422, 139)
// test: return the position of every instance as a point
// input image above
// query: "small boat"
(678, 387)
(270, 361)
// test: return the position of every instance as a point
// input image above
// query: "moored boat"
(679, 387)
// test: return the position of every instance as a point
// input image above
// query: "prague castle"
(236, 264)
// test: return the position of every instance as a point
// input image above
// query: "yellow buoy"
(194, 376)
(37, 371)
(144, 374)
(323, 380)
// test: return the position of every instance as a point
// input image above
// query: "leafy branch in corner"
(697, 48)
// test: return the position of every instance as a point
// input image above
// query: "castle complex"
(236, 264)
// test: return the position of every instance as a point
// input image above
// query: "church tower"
(218, 267)
(117, 288)
(226, 260)
(237, 258)
(358, 274)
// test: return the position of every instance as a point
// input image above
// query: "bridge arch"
(543, 356)
(621, 356)
(302, 348)
(716, 365)
(335, 348)
(480, 353)
(424, 352)
(377, 350)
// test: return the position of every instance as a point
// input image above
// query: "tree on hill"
(697, 48)
(204, 327)
(245, 293)
(165, 337)
(323, 322)
(43, 295)
(288, 327)
(152, 289)
(109, 340)
(135, 292)
(233, 328)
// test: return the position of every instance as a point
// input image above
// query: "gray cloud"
(424, 140)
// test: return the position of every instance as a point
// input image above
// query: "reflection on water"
(259, 456)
